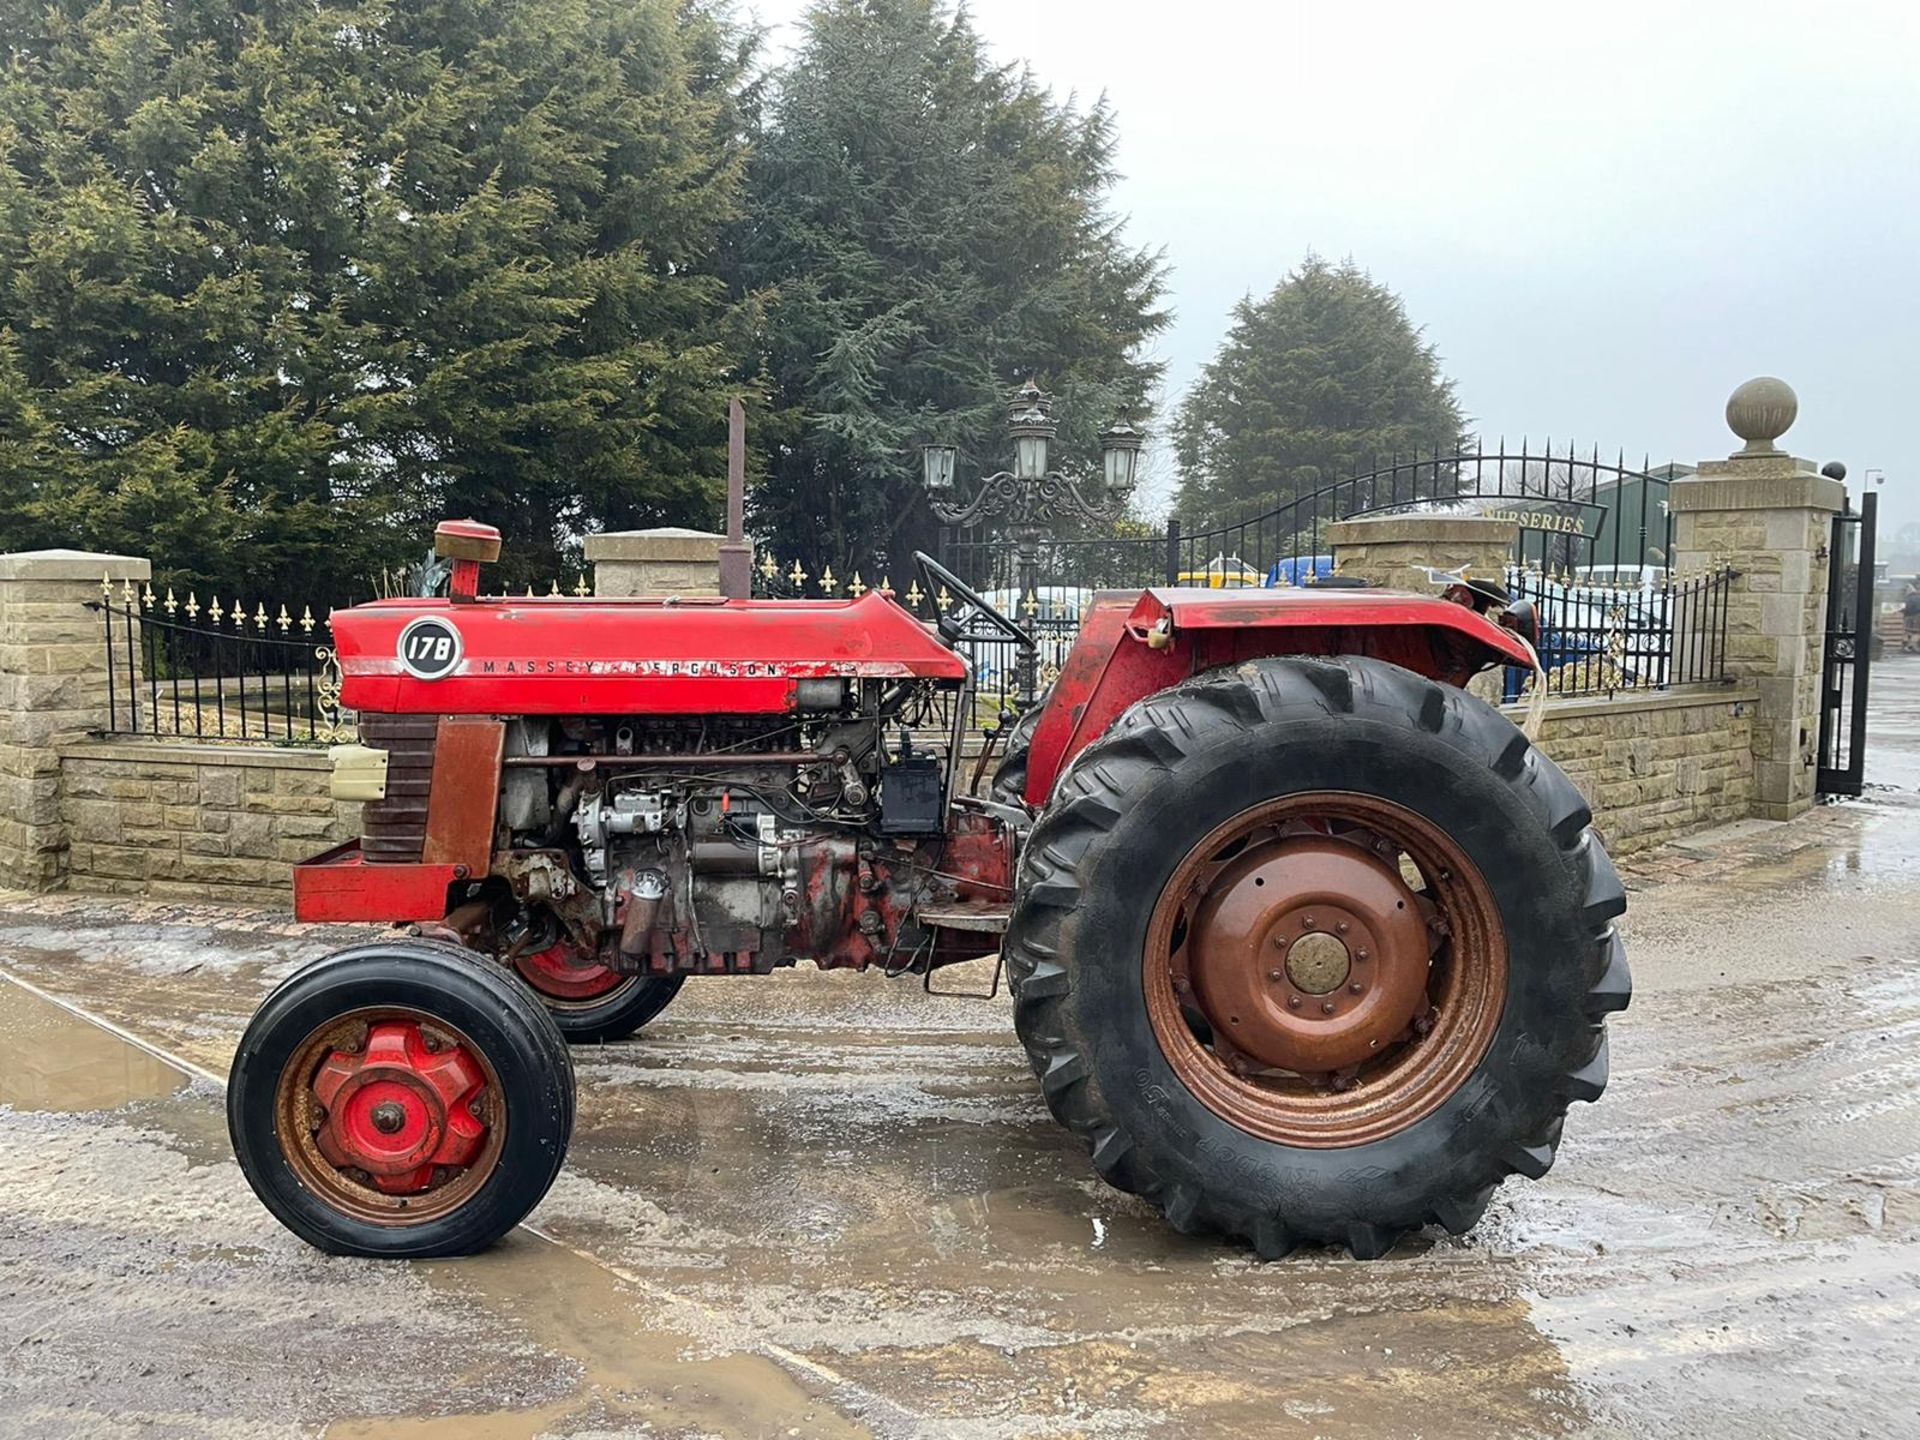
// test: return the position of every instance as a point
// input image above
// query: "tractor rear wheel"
(1009, 785)
(400, 1100)
(1316, 950)
(589, 1001)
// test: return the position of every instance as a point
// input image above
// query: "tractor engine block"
(712, 845)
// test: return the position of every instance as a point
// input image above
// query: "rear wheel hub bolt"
(388, 1117)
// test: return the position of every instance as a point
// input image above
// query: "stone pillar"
(1394, 550)
(1769, 516)
(667, 561)
(53, 688)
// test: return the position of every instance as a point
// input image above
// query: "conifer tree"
(1323, 378)
(281, 284)
(932, 230)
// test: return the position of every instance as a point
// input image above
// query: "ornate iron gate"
(1848, 660)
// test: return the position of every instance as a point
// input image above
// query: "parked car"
(1621, 632)
(1300, 570)
(1223, 572)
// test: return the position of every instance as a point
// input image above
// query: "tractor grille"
(394, 830)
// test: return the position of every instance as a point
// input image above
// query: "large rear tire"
(1316, 950)
(400, 1100)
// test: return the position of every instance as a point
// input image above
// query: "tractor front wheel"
(1316, 950)
(400, 1100)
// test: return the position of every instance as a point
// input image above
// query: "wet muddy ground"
(833, 1205)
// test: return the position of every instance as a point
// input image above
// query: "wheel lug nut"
(1359, 954)
(1273, 975)
(1293, 1002)
(1307, 921)
(1355, 988)
(1342, 927)
(1326, 1007)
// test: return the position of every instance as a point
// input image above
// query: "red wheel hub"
(400, 1107)
(565, 972)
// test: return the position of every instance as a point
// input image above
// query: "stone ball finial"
(1760, 412)
(1834, 470)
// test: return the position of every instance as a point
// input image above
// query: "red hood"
(560, 656)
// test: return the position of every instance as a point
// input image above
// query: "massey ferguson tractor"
(1307, 944)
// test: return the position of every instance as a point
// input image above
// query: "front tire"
(1344, 833)
(400, 1100)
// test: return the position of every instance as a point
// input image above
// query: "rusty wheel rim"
(391, 1116)
(1325, 969)
(568, 978)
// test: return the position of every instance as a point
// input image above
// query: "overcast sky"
(1605, 216)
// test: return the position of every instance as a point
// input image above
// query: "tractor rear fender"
(1133, 644)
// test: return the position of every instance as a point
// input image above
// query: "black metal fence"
(1574, 512)
(1600, 637)
(182, 670)
(1852, 616)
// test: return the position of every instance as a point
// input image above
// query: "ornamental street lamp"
(1032, 498)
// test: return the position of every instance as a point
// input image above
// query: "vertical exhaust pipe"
(736, 556)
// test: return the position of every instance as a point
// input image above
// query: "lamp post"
(1031, 497)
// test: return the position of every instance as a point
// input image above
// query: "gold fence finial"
(260, 618)
(306, 619)
(555, 590)
(106, 584)
(769, 567)
(171, 603)
(854, 587)
(192, 607)
(828, 584)
(284, 620)
(797, 575)
(581, 587)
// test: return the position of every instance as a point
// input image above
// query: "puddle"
(635, 1376)
(51, 1059)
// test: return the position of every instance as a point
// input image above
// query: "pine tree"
(1321, 379)
(281, 284)
(931, 230)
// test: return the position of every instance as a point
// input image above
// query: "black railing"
(1600, 638)
(1574, 512)
(181, 670)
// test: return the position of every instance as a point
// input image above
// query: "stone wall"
(196, 822)
(1656, 767)
(53, 687)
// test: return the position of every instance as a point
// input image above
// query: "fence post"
(1768, 516)
(53, 688)
(1396, 550)
(1173, 549)
(666, 561)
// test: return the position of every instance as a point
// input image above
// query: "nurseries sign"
(1555, 517)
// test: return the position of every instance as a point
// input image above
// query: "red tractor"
(1306, 942)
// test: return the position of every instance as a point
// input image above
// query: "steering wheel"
(953, 629)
